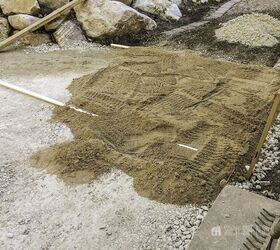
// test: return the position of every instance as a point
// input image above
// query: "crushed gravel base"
(268, 161)
(254, 30)
(38, 211)
(45, 48)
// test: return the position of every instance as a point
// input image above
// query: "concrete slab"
(230, 219)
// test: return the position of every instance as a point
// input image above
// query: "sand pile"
(254, 30)
(150, 100)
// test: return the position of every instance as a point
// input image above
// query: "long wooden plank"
(40, 23)
(42, 98)
(270, 119)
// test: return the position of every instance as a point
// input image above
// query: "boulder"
(30, 7)
(21, 21)
(127, 2)
(52, 4)
(4, 28)
(107, 19)
(164, 9)
(68, 34)
(53, 25)
(34, 39)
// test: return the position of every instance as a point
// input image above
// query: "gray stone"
(53, 25)
(68, 33)
(21, 21)
(52, 4)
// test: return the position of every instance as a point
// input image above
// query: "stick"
(270, 119)
(119, 46)
(188, 147)
(42, 98)
(40, 23)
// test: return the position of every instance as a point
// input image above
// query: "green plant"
(160, 11)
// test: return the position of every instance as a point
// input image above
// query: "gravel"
(38, 211)
(45, 48)
(269, 159)
(254, 30)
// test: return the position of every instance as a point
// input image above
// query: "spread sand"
(254, 30)
(150, 100)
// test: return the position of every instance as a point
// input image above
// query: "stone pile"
(96, 19)
(252, 30)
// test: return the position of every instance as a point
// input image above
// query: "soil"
(150, 100)
(203, 39)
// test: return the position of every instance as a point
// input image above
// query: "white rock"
(189, 236)
(106, 19)
(127, 2)
(162, 8)
(173, 12)
(200, 217)
(10, 235)
(9, 7)
(21, 21)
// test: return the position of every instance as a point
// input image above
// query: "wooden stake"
(119, 46)
(40, 23)
(42, 98)
(270, 119)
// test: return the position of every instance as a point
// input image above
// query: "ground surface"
(169, 98)
(203, 39)
(37, 210)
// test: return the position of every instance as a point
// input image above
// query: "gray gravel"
(269, 159)
(38, 211)
(254, 30)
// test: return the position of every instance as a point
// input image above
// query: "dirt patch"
(148, 102)
(204, 40)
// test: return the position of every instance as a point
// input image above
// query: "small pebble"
(10, 235)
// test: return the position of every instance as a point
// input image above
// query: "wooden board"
(272, 115)
(40, 23)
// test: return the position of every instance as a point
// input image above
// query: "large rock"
(21, 21)
(165, 9)
(53, 25)
(30, 7)
(52, 4)
(127, 2)
(34, 39)
(4, 28)
(106, 19)
(68, 33)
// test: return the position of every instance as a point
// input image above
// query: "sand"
(150, 100)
